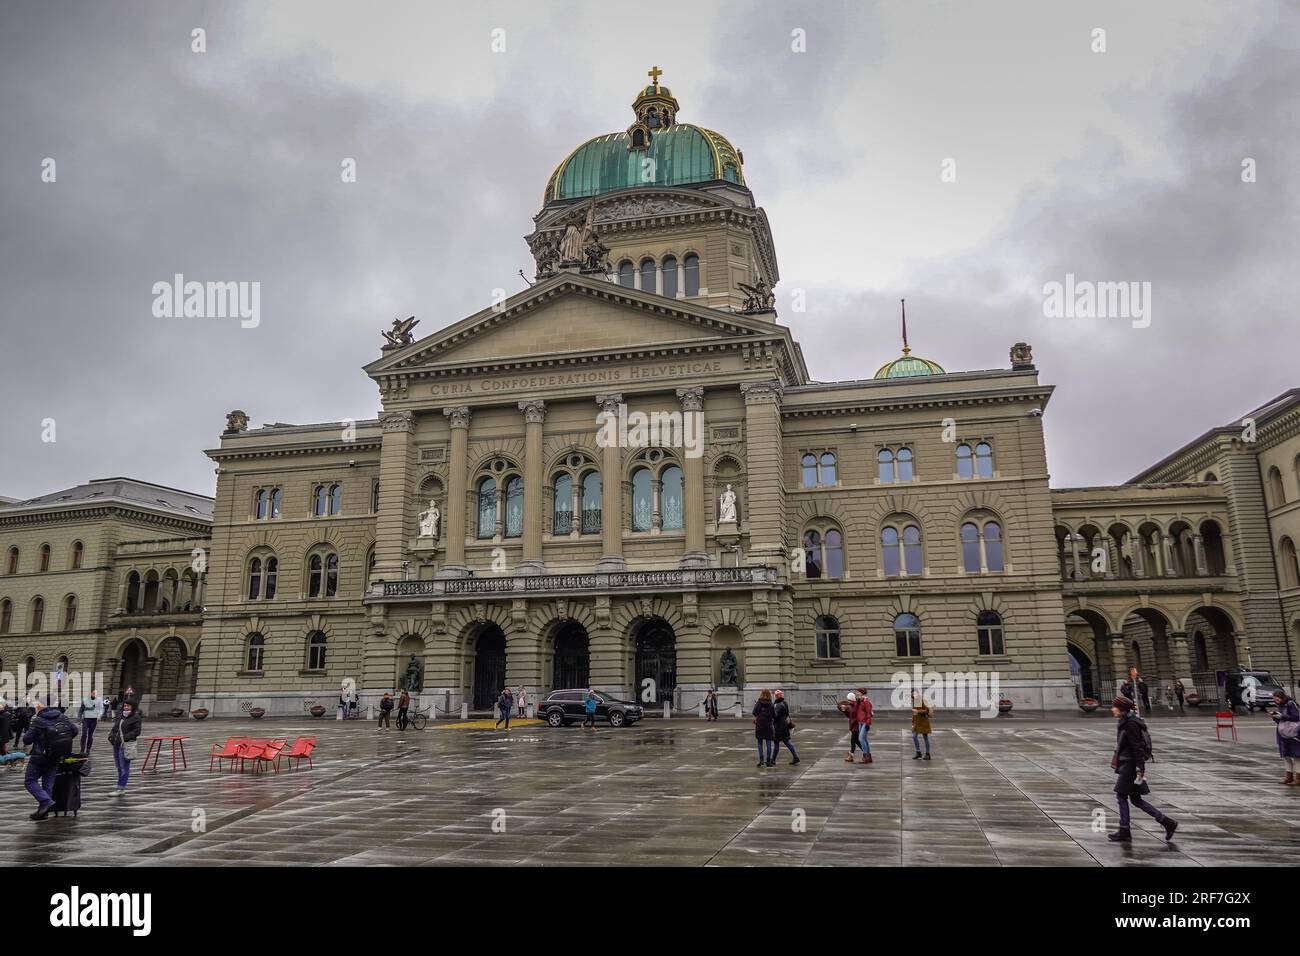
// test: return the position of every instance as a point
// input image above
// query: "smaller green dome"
(909, 366)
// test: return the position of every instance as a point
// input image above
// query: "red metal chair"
(252, 750)
(1225, 720)
(300, 751)
(229, 751)
(270, 755)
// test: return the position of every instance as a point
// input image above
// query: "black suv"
(1251, 689)
(561, 707)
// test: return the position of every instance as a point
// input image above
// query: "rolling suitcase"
(67, 785)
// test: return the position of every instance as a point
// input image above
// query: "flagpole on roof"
(906, 350)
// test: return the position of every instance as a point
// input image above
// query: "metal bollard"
(464, 710)
(668, 710)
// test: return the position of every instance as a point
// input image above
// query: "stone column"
(765, 508)
(534, 486)
(693, 502)
(454, 553)
(611, 498)
(1119, 660)
(1198, 546)
(1181, 658)
(1138, 544)
(396, 458)
(1074, 550)
(1112, 554)
(1167, 553)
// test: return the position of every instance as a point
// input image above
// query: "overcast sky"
(1123, 165)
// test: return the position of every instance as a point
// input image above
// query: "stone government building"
(871, 533)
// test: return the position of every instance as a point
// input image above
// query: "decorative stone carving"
(236, 422)
(457, 415)
(760, 392)
(609, 402)
(727, 506)
(692, 398)
(401, 334)
(534, 411)
(545, 247)
(429, 520)
(397, 422)
(636, 207)
(1022, 356)
(759, 297)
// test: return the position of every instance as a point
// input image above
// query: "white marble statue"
(727, 506)
(429, 520)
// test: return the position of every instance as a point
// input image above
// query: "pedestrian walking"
(521, 702)
(764, 728)
(782, 725)
(1132, 751)
(589, 705)
(6, 727)
(505, 705)
(1126, 689)
(343, 701)
(22, 719)
(123, 736)
(403, 705)
(849, 708)
(50, 740)
(1179, 692)
(921, 712)
(711, 705)
(1287, 718)
(1145, 694)
(92, 711)
(385, 711)
(1169, 695)
(864, 724)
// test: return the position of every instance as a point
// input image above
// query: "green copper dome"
(682, 154)
(909, 366)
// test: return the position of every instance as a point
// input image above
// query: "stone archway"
(169, 670)
(489, 668)
(655, 645)
(134, 670)
(1081, 670)
(570, 656)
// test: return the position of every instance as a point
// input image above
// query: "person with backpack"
(765, 728)
(50, 738)
(386, 710)
(123, 736)
(92, 710)
(782, 725)
(1287, 718)
(864, 724)
(1132, 751)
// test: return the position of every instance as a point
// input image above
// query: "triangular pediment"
(566, 314)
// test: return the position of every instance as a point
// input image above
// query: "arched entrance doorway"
(171, 661)
(571, 661)
(1081, 670)
(656, 662)
(132, 673)
(489, 666)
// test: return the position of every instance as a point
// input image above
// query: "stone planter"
(1193, 700)
(1089, 704)
(177, 712)
(317, 711)
(1005, 705)
(199, 713)
(257, 713)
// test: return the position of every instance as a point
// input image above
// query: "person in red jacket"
(864, 724)
(849, 708)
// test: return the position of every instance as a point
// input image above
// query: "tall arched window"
(78, 553)
(261, 504)
(673, 516)
(262, 575)
(913, 559)
(829, 475)
(970, 547)
(981, 547)
(45, 557)
(988, 632)
(562, 508)
(374, 497)
(808, 471)
(255, 647)
(984, 460)
(819, 470)
(965, 462)
(826, 630)
(627, 274)
(38, 613)
(903, 459)
(1290, 569)
(487, 508)
(315, 575)
(276, 497)
(336, 499)
(1275, 490)
(514, 507)
(591, 492)
(6, 615)
(993, 556)
(691, 275)
(12, 565)
(254, 579)
(648, 275)
(70, 612)
(133, 591)
(900, 550)
(907, 635)
(823, 553)
(885, 466)
(670, 277)
(316, 651)
(320, 501)
(642, 500)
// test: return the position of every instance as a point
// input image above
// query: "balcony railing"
(672, 580)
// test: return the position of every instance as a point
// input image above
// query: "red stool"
(1225, 720)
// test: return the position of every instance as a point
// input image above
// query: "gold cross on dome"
(654, 73)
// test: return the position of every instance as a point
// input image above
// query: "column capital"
(397, 422)
(692, 398)
(609, 402)
(457, 415)
(757, 393)
(534, 411)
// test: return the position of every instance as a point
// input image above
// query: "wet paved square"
(1012, 792)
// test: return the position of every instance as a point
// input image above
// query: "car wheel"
(616, 719)
(555, 718)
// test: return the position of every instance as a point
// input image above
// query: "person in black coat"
(781, 727)
(123, 736)
(6, 728)
(1130, 763)
(765, 729)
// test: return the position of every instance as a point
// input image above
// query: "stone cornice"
(72, 514)
(280, 450)
(925, 400)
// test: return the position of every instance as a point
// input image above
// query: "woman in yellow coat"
(921, 712)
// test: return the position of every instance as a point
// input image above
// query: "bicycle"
(417, 718)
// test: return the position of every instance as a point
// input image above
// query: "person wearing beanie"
(849, 708)
(1131, 754)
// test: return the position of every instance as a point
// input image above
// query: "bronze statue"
(759, 297)
(401, 332)
(730, 669)
(413, 679)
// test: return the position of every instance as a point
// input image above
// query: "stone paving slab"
(1010, 792)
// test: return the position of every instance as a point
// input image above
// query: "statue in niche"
(727, 506)
(730, 669)
(429, 520)
(413, 678)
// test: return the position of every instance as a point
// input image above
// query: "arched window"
(913, 559)
(691, 275)
(514, 507)
(670, 277)
(38, 613)
(970, 547)
(984, 460)
(648, 275)
(276, 497)
(262, 504)
(1290, 569)
(907, 635)
(1275, 489)
(828, 474)
(965, 462)
(900, 550)
(981, 547)
(262, 574)
(78, 552)
(6, 615)
(818, 470)
(12, 566)
(885, 466)
(374, 497)
(642, 500)
(70, 612)
(808, 471)
(823, 553)
(45, 557)
(1210, 476)
(320, 501)
(827, 632)
(988, 629)
(673, 512)
(316, 651)
(591, 492)
(255, 579)
(562, 509)
(812, 547)
(890, 553)
(626, 274)
(903, 460)
(133, 591)
(336, 499)
(487, 508)
(315, 575)
(834, 547)
(993, 558)
(255, 647)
